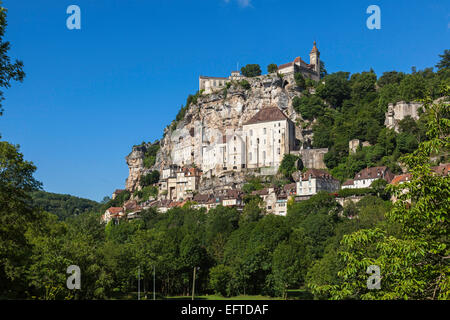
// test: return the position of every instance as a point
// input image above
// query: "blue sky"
(91, 94)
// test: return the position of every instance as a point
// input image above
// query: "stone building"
(269, 135)
(314, 180)
(311, 70)
(179, 183)
(209, 84)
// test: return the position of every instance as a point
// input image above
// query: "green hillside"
(62, 205)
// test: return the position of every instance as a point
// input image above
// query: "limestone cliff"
(223, 111)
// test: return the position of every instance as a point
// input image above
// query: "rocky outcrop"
(215, 115)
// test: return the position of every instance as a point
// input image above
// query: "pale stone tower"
(314, 58)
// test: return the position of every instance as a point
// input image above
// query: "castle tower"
(314, 58)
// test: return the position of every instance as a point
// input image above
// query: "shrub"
(244, 84)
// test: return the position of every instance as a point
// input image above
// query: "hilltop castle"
(311, 71)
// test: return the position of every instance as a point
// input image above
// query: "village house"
(314, 180)
(179, 183)
(232, 198)
(282, 198)
(269, 197)
(399, 179)
(365, 177)
(113, 213)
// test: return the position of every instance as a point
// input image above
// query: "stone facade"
(398, 111)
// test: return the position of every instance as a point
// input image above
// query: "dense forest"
(62, 205)
(319, 247)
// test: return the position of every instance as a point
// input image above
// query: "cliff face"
(213, 116)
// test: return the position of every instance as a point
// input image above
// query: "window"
(279, 152)
(265, 131)
(251, 133)
(250, 156)
(264, 155)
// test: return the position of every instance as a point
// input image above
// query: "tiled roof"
(314, 49)
(267, 115)
(401, 178)
(201, 198)
(316, 173)
(115, 210)
(286, 65)
(372, 173)
(349, 182)
(290, 187)
(442, 169)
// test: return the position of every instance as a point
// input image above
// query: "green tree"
(251, 70)
(291, 260)
(220, 276)
(444, 63)
(16, 216)
(149, 179)
(288, 165)
(271, 68)
(335, 88)
(8, 71)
